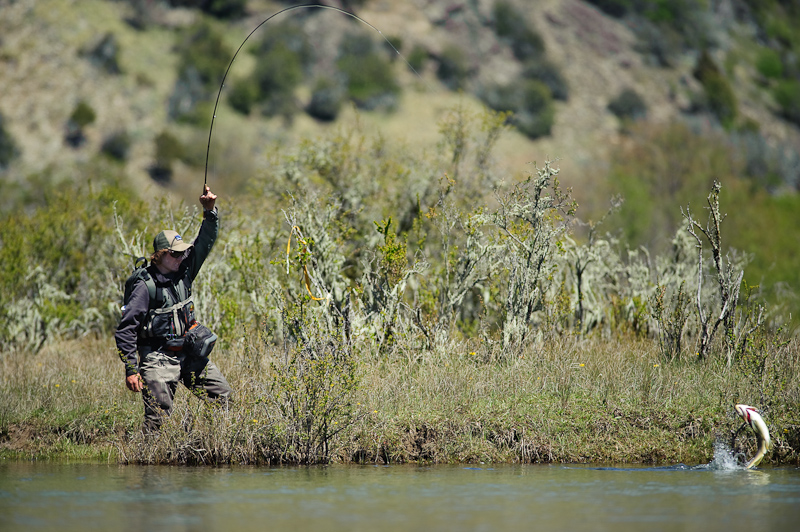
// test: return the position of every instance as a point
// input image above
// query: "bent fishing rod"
(292, 8)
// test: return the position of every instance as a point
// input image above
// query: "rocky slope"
(44, 73)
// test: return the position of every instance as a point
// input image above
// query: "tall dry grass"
(566, 399)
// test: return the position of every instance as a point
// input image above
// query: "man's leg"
(160, 373)
(205, 380)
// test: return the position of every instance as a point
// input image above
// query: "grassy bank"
(561, 400)
(374, 304)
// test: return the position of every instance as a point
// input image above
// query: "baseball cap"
(169, 240)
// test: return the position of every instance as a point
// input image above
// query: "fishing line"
(320, 6)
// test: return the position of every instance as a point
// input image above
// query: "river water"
(65, 497)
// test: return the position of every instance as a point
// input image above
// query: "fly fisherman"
(158, 313)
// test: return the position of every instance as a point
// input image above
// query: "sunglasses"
(177, 254)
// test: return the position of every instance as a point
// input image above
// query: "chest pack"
(170, 311)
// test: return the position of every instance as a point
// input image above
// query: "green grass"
(423, 376)
(563, 400)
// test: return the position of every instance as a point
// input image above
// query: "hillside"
(48, 53)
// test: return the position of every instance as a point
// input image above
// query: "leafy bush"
(290, 36)
(453, 68)
(530, 103)
(720, 98)
(225, 9)
(787, 94)
(244, 95)
(511, 26)
(418, 57)
(778, 21)
(370, 79)
(549, 74)
(277, 74)
(326, 100)
(530, 219)
(769, 63)
(203, 59)
(664, 28)
(411, 262)
(117, 145)
(681, 16)
(201, 48)
(628, 105)
(282, 57)
(81, 116)
(8, 148)
(615, 8)
(168, 149)
(68, 291)
(313, 385)
(393, 46)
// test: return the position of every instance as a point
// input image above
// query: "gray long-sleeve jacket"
(137, 306)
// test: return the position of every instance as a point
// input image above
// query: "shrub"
(393, 45)
(769, 63)
(243, 95)
(168, 149)
(356, 44)
(290, 36)
(628, 105)
(453, 68)
(510, 25)
(8, 148)
(530, 219)
(530, 103)
(201, 48)
(370, 80)
(70, 245)
(720, 98)
(787, 95)
(549, 74)
(326, 100)
(277, 75)
(282, 56)
(81, 116)
(418, 57)
(615, 8)
(203, 59)
(537, 114)
(225, 9)
(313, 386)
(117, 145)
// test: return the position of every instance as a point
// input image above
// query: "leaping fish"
(756, 422)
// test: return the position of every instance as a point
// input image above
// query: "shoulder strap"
(151, 286)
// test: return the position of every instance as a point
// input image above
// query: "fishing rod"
(285, 10)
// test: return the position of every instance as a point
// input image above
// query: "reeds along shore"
(563, 400)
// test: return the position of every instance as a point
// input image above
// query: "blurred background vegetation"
(106, 107)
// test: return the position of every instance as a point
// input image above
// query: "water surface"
(66, 497)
